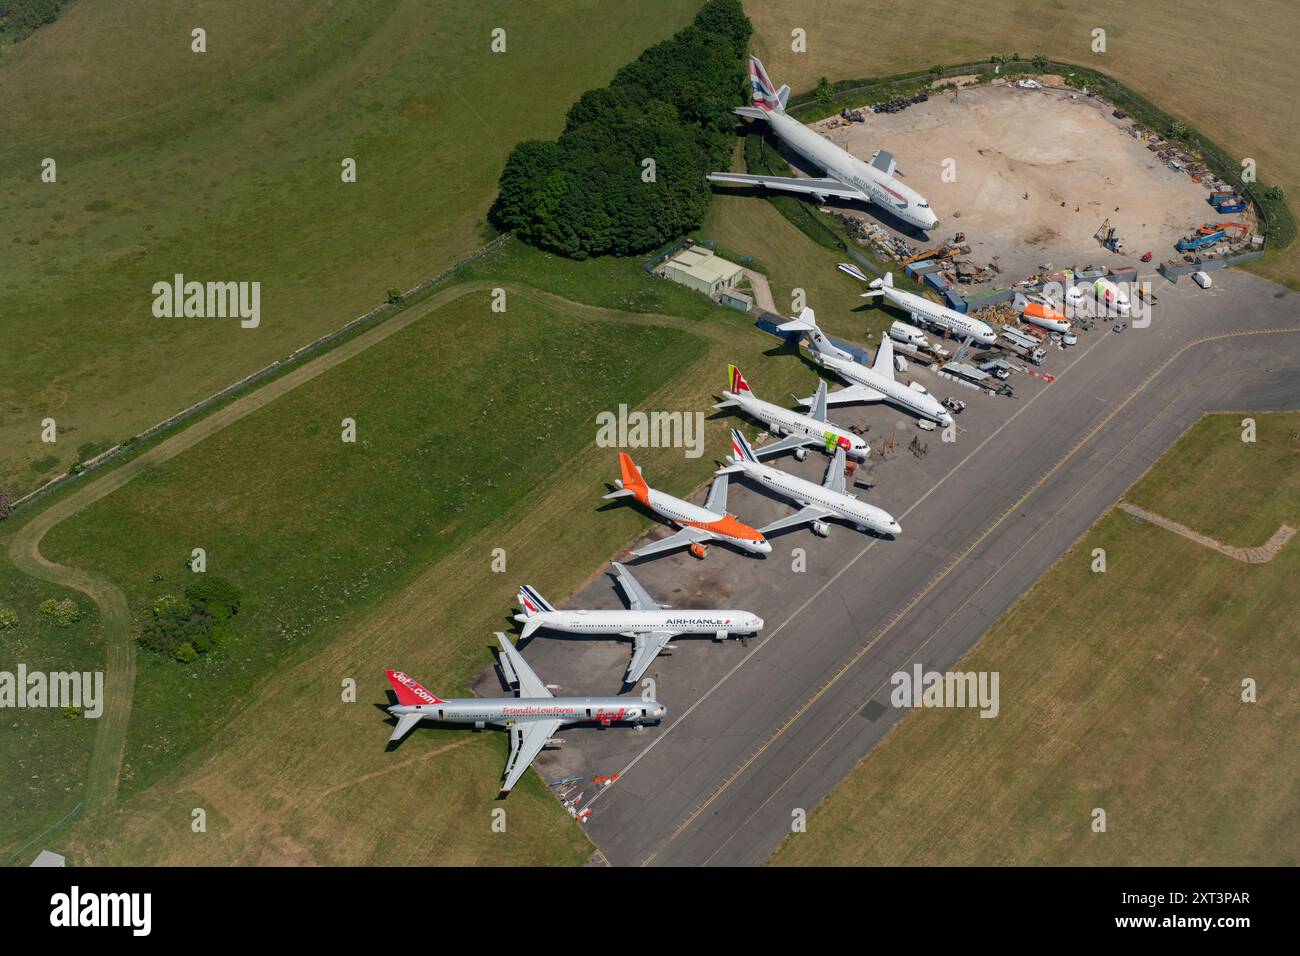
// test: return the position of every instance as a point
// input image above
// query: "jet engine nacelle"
(720, 636)
(479, 725)
(821, 529)
(618, 483)
(801, 453)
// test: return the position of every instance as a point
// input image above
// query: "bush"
(8, 619)
(589, 192)
(184, 627)
(63, 613)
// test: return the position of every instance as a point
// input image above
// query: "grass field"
(43, 752)
(1162, 51)
(226, 166)
(1119, 690)
(340, 581)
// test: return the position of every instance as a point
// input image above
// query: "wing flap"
(679, 540)
(645, 648)
(530, 685)
(808, 514)
(638, 598)
(526, 742)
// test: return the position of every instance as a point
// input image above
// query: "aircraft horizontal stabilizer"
(405, 725)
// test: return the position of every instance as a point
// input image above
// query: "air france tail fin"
(530, 602)
(409, 691)
(740, 450)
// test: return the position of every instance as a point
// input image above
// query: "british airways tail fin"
(764, 95)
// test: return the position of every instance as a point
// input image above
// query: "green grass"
(1119, 690)
(226, 165)
(43, 752)
(315, 530)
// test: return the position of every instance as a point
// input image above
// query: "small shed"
(698, 268)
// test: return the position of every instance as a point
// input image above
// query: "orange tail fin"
(632, 480)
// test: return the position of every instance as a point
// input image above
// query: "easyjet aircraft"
(698, 525)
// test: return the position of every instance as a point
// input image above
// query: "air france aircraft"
(532, 718)
(819, 502)
(847, 177)
(874, 384)
(802, 431)
(650, 625)
(698, 525)
(923, 310)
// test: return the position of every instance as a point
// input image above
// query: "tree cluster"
(185, 626)
(627, 174)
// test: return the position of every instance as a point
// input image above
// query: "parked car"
(1120, 327)
(1202, 279)
(954, 406)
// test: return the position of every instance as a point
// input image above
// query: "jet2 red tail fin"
(409, 691)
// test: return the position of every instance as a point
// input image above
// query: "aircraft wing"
(638, 598)
(834, 480)
(787, 443)
(810, 513)
(679, 540)
(518, 672)
(854, 393)
(526, 742)
(645, 648)
(793, 184)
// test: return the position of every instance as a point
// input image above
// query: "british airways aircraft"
(847, 177)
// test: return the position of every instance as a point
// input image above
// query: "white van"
(1202, 279)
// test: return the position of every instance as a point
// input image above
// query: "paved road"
(759, 730)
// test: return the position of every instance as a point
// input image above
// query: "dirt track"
(110, 738)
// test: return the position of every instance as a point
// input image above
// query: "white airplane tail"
(884, 363)
(812, 333)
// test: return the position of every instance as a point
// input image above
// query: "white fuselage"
(804, 492)
(913, 398)
(788, 422)
(908, 334)
(885, 191)
(942, 317)
(626, 621)
(685, 514)
(507, 711)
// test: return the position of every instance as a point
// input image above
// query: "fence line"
(294, 357)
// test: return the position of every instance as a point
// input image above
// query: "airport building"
(698, 268)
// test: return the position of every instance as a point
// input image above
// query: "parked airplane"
(650, 625)
(802, 431)
(531, 718)
(873, 384)
(923, 310)
(847, 177)
(819, 502)
(698, 525)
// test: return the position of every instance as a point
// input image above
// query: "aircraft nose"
(895, 529)
(758, 623)
(764, 546)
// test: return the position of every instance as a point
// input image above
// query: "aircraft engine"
(821, 529)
